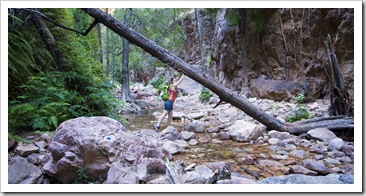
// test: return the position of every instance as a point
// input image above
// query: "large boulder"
(304, 179)
(244, 131)
(277, 90)
(92, 144)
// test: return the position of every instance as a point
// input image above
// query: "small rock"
(216, 141)
(315, 166)
(336, 144)
(269, 163)
(347, 149)
(193, 142)
(42, 144)
(279, 135)
(203, 139)
(299, 153)
(273, 141)
(289, 162)
(322, 134)
(297, 169)
(213, 130)
(332, 161)
(224, 135)
(319, 156)
(195, 115)
(47, 138)
(186, 135)
(345, 159)
(279, 157)
(335, 153)
(26, 150)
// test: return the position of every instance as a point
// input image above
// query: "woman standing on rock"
(168, 104)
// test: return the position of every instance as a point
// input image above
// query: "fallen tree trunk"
(173, 61)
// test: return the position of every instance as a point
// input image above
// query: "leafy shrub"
(157, 82)
(41, 96)
(299, 113)
(82, 176)
(160, 85)
(205, 95)
(46, 102)
(11, 136)
(257, 21)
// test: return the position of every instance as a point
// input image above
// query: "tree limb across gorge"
(225, 94)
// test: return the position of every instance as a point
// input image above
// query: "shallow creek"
(242, 157)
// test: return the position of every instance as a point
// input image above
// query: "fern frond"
(53, 121)
(20, 109)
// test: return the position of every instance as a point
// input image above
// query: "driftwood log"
(224, 93)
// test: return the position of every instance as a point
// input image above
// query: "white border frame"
(356, 187)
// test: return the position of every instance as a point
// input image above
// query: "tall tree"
(125, 83)
(243, 53)
(285, 43)
(100, 43)
(224, 93)
(108, 48)
(200, 40)
(49, 41)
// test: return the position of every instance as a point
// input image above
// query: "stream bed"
(252, 160)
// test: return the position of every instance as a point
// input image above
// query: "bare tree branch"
(67, 28)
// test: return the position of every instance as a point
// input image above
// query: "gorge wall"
(266, 49)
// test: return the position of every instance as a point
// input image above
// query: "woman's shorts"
(168, 105)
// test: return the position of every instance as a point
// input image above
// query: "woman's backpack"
(164, 94)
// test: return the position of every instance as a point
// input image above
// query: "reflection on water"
(142, 120)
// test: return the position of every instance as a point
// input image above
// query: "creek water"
(235, 154)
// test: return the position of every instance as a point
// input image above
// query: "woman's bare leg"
(170, 117)
(162, 117)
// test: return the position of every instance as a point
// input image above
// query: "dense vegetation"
(41, 96)
(43, 93)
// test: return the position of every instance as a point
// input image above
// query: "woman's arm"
(179, 81)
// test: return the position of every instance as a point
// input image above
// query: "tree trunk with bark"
(224, 93)
(50, 42)
(244, 53)
(200, 40)
(339, 98)
(125, 84)
(100, 43)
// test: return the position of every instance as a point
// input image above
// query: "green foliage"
(18, 138)
(21, 61)
(299, 113)
(205, 95)
(209, 61)
(157, 82)
(212, 11)
(41, 100)
(233, 18)
(257, 21)
(158, 25)
(82, 176)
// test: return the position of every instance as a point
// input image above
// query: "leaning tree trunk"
(224, 93)
(50, 42)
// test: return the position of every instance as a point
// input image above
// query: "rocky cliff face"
(266, 49)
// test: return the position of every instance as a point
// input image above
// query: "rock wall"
(266, 50)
